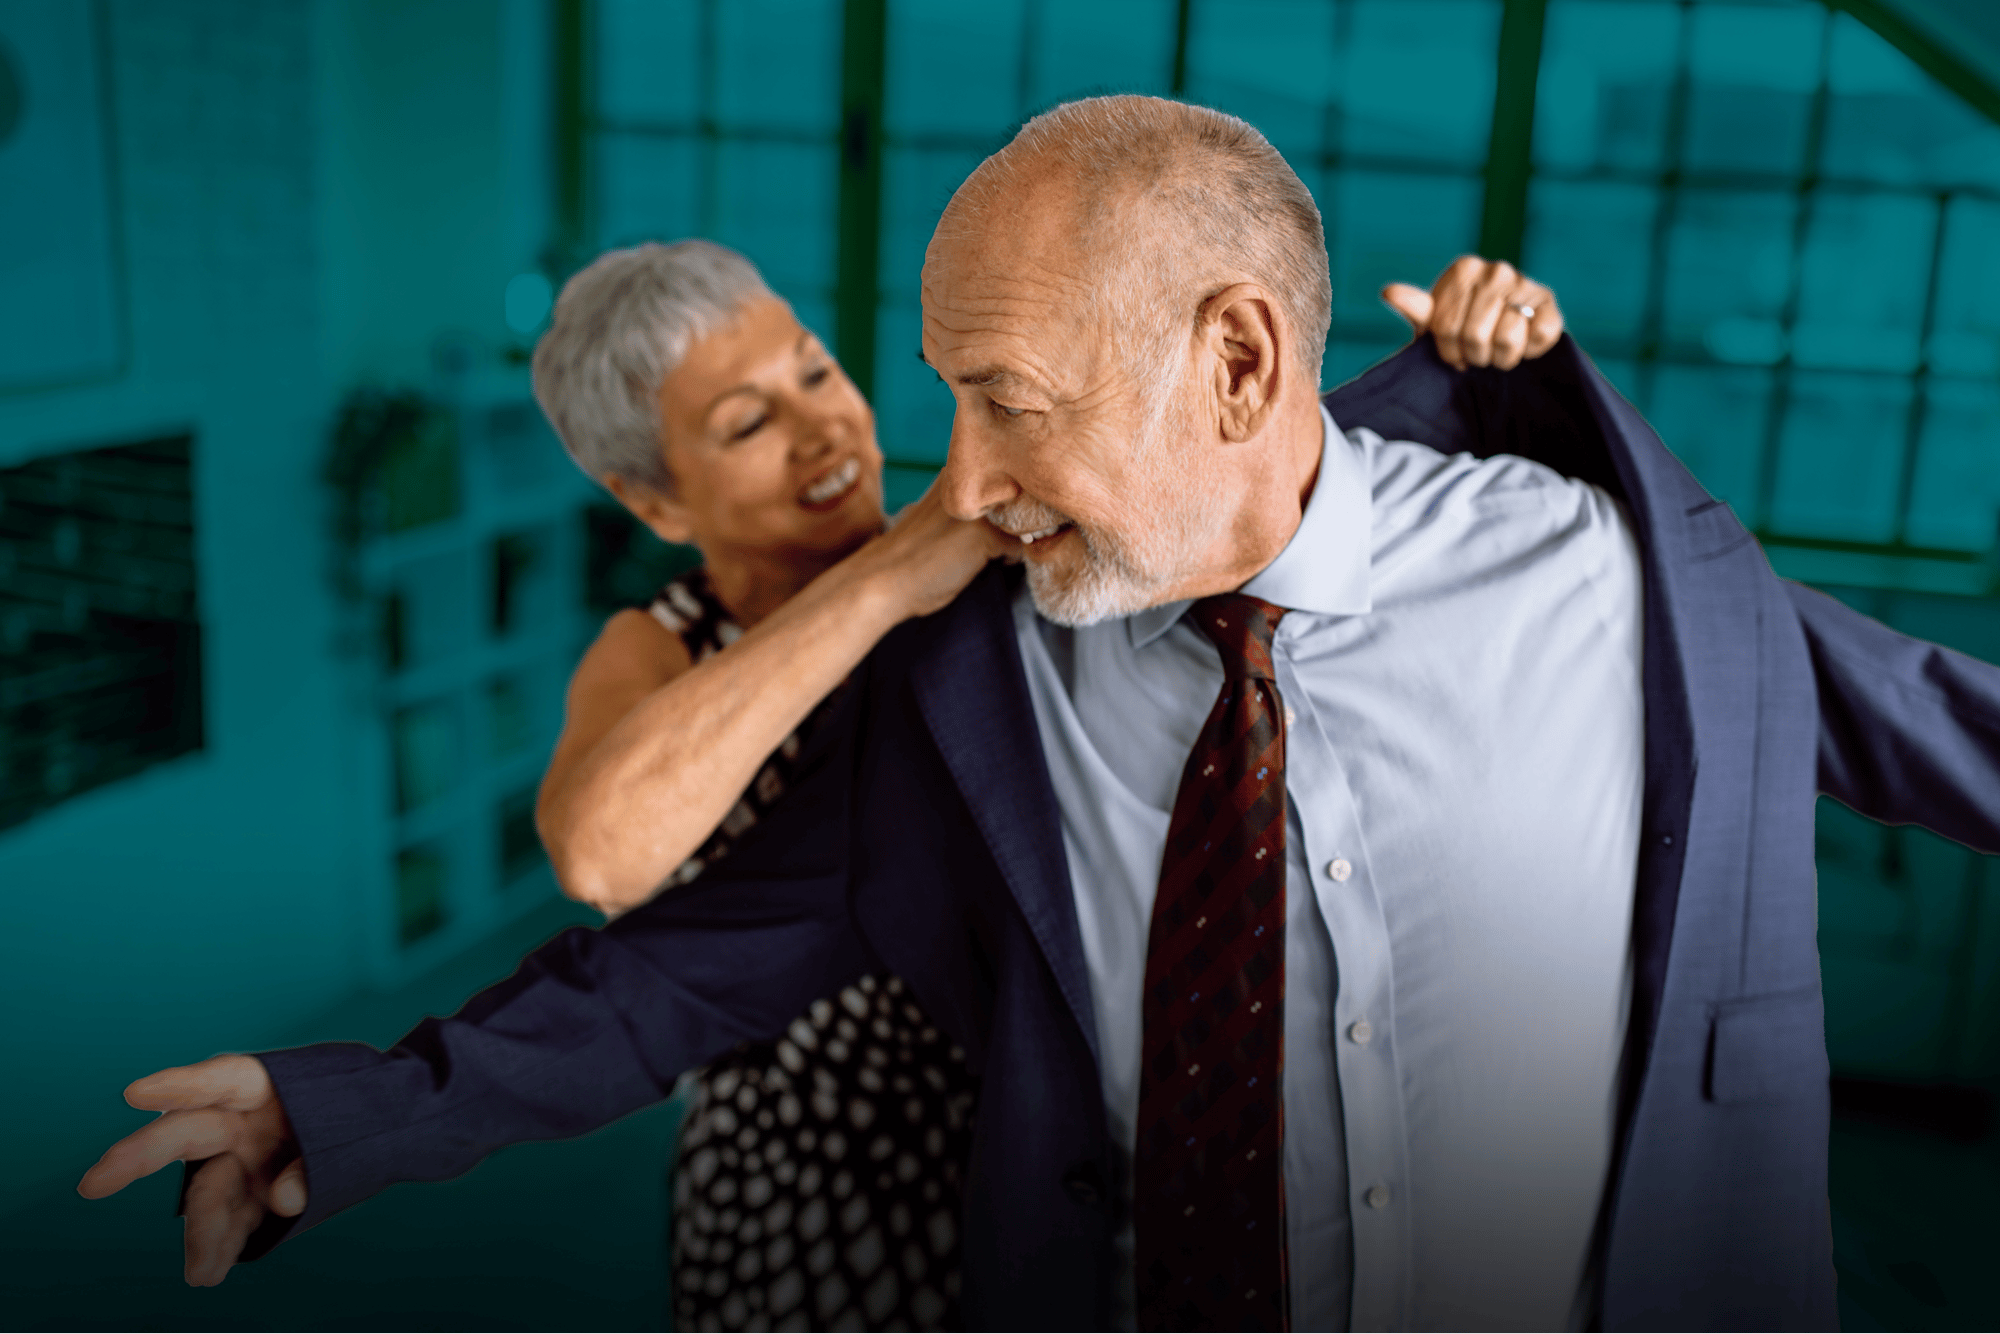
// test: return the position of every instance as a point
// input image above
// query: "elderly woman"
(817, 1184)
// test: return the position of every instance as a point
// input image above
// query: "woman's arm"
(655, 751)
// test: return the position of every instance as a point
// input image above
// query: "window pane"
(1866, 269)
(1754, 72)
(1107, 46)
(954, 69)
(1387, 228)
(1451, 49)
(647, 189)
(1593, 244)
(1607, 74)
(779, 65)
(1271, 62)
(646, 61)
(1956, 496)
(776, 204)
(1840, 456)
(1888, 121)
(1713, 418)
(912, 409)
(1965, 339)
(916, 185)
(1345, 360)
(1729, 261)
(425, 740)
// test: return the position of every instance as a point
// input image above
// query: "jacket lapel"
(973, 694)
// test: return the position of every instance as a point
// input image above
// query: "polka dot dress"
(818, 1181)
(819, 1175)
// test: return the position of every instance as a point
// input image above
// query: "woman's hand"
(927, 557)
(1482, 313)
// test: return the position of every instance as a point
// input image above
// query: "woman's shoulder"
(688, 606)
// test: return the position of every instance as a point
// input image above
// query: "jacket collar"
(973, 694)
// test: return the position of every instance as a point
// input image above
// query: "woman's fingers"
(175, 1137)
(1412, 303)
(238, 1083)
(1545, 330)
(1484, 313)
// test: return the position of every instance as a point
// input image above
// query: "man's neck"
(1281, 467)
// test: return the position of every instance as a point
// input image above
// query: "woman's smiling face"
(771, 447)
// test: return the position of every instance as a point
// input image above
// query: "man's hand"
(1482, 313)
(223, 1110)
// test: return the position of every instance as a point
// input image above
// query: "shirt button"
(1361, 1030)
(1339, 868)
(1377, 1197)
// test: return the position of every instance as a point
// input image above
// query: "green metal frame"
(863, 60)
(1926, 52)
(1503, 222)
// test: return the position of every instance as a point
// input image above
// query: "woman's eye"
(816, 377)
(748, 428)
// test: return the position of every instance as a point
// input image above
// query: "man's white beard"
(1122, 575)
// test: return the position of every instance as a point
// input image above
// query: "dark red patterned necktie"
(1208, 1183)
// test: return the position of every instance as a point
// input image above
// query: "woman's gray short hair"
(621, 326)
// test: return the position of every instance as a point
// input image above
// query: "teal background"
(1775, 224)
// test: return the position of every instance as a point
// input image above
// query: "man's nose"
(972, 480)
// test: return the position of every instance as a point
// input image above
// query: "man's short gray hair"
(1236, 205)
(621, 326)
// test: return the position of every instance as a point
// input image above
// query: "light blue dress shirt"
(1460, 667)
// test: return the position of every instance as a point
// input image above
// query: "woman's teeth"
(831, 485)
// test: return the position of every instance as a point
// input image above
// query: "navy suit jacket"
(922, 837)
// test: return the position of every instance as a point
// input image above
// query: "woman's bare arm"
(655, 751)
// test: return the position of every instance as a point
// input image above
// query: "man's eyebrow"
(984, 375)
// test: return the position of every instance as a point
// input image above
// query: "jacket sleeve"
(596, 1023)
(1909, 732)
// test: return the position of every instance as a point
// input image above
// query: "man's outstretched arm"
(595, 1024)
(1909, 731)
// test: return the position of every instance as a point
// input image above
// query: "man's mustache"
(1025, 516)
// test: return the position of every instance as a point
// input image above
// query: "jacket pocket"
(1767, 1048)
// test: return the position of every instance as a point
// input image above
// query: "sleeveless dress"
(819, 1175)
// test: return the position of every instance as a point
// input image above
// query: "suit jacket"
(922, 837)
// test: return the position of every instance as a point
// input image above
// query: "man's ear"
(1243, 335)
(667, 517)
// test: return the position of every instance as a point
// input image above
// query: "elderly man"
(1362, 943)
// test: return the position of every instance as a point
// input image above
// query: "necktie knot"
(1241, 628)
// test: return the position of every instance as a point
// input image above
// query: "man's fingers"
(238, 1083)
(288, 1192)
(221, 1214)
(1412, 303)
(172, 1138)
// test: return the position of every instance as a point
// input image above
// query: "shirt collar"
(1324, 568)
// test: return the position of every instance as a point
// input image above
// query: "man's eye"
(1007, 411)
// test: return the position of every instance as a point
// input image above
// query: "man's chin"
(1077, 598)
